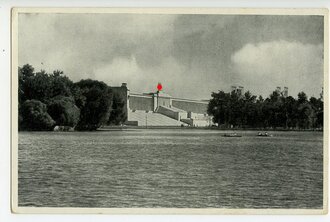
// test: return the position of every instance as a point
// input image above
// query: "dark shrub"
(64, 111)
(34, 116)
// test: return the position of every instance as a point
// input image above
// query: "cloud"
(90, 41)
(120, 70)
(280, 63)
(192, 54)
(142, 79)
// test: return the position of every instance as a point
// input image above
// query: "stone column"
(155, 101)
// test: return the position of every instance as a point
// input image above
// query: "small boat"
(265, 134)
(232, 135)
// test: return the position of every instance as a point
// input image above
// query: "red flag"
(159, 87)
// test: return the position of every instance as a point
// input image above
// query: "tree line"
(233, 110)
(47, 100)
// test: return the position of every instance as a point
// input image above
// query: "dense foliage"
(118, 115)
(94, 101)
(49, 100)
(276, 111)
(34, 116)
(42, 86)
(64, 111)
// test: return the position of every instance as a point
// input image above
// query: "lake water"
(170, 168)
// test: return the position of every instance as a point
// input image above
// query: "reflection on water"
(170, 168)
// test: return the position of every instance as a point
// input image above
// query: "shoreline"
(119, 128)
(127, 128)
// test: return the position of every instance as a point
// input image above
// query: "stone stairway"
(152, 119)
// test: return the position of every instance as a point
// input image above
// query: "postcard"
(169, 110)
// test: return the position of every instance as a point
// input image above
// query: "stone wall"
(190, 106)
(141, 103)
(164, 101)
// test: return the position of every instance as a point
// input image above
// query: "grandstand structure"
(160, 109)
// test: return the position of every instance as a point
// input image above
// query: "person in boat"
(263, 134)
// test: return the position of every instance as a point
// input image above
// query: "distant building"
(160, 109)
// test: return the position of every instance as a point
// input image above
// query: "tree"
(302, 98)
(60, 85)
(217, 107)
(42, 86)
(304, 111)
(235, 115)
(317, 106)
(290, 109)
(24, 73)
(64, 111)
(38, 87)
(118, 114)
(96, 108)
(249, 111)
(260, 115)
(34, 116)
(232, 109)
(274, 110)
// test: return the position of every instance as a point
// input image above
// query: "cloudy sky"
(191, 55)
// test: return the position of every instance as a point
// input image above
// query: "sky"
(191, 55)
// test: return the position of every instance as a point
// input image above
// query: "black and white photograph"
(169, 111)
